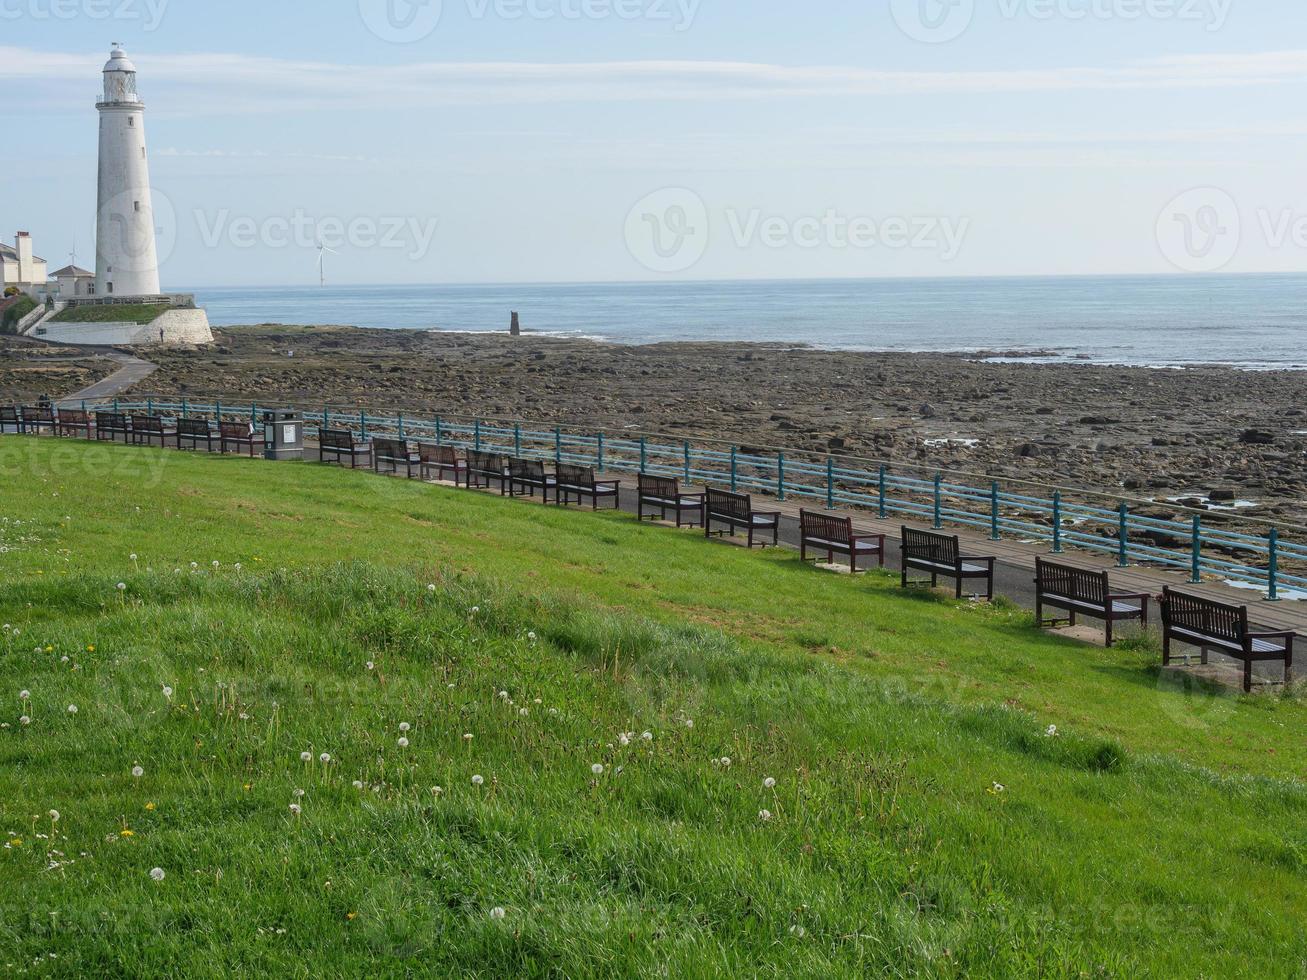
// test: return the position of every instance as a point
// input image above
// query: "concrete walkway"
(131, 370)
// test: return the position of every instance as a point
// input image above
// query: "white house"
(21, 267)
(73, 282)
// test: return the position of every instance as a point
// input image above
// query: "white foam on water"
(937, 443)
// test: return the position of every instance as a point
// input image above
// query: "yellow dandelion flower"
(149, 806)
(90, 648)
(248, 787)
(126, 833)
(350, 915)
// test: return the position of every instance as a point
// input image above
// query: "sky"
(459, 141)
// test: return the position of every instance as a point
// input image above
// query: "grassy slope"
(125, 313)
(881, 716)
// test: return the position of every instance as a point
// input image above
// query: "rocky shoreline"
(1212, 437)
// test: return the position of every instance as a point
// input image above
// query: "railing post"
(1057, 522)
(326, 417)
(1196, 558)
(149, 406)
(599, 453)
(83, 404)
(686, 448)
(400, 419)
(1123, 537)
(994, 533)
(440, 435)
(185, 411)
(780, 476)
(1273, 567)
(363, 424)
(939, 500)
(881, 488)
(830, 483)
(517, 440)
(558, 446)
(476, 435)
(254, 413)
(735, 468)
(115, 404)
(644, 454)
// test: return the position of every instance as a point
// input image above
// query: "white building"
(20, 268)
(126, 262)
(73, 282)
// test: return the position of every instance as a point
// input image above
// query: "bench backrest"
(235, 430)
(73, 416)
(929, 546)
(484, 462)
(110, 420)
(38, 413)
(665, 487)
(336, 439)
(1069, 582)
(526, 469)
(825, 526)
(440, 455)
(1208, 617)
(8, 414)
(572, 475)
(147, 423)
(390, 448)
(728, 504)
(193, 427)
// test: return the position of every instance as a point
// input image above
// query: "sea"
(1257, 322)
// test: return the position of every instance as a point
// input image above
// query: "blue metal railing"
(1245, 551)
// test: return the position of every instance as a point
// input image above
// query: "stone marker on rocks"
(515, 328)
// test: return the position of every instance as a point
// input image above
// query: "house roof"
(72, 270)
(9, 252)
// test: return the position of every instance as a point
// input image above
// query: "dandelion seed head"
(404, 726)
(597, 769)
(403, 742)
(497, 913)
(324, 758)
(647, 736)
(358, 784)
(72, 709)
(295, 809)
(306, 757)
(54, 816)
(764, 815)
(137, 772)
(24, 695)
(157, 874)
(477, 780)
(769, 783)
(24, 720)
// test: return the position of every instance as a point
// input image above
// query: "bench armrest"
(766, 513)
(1145, 596)
(1271, 635)
(990, 559)
(868, 537)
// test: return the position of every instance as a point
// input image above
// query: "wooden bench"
(526, 476)
(147, 428)
(834, 535)
(110, 425)
(580, 482)
(11, 418)
(484, 468)
(241, 435)
(441, 459)
(941, 554)
(339, 444)
(396, 453)
(74, 422)
(38, 417)
(195, 431)
(1211, 625)
(664, 494)
(735, 510)
(1081, 591)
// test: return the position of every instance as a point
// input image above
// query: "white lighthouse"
(126, 262)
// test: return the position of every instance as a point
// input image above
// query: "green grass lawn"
(922, 821)
(123, 313)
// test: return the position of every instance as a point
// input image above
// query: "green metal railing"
(1244, 551)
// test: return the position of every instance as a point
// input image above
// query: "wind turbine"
(322, 274)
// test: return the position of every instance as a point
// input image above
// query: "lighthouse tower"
(126, 263)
